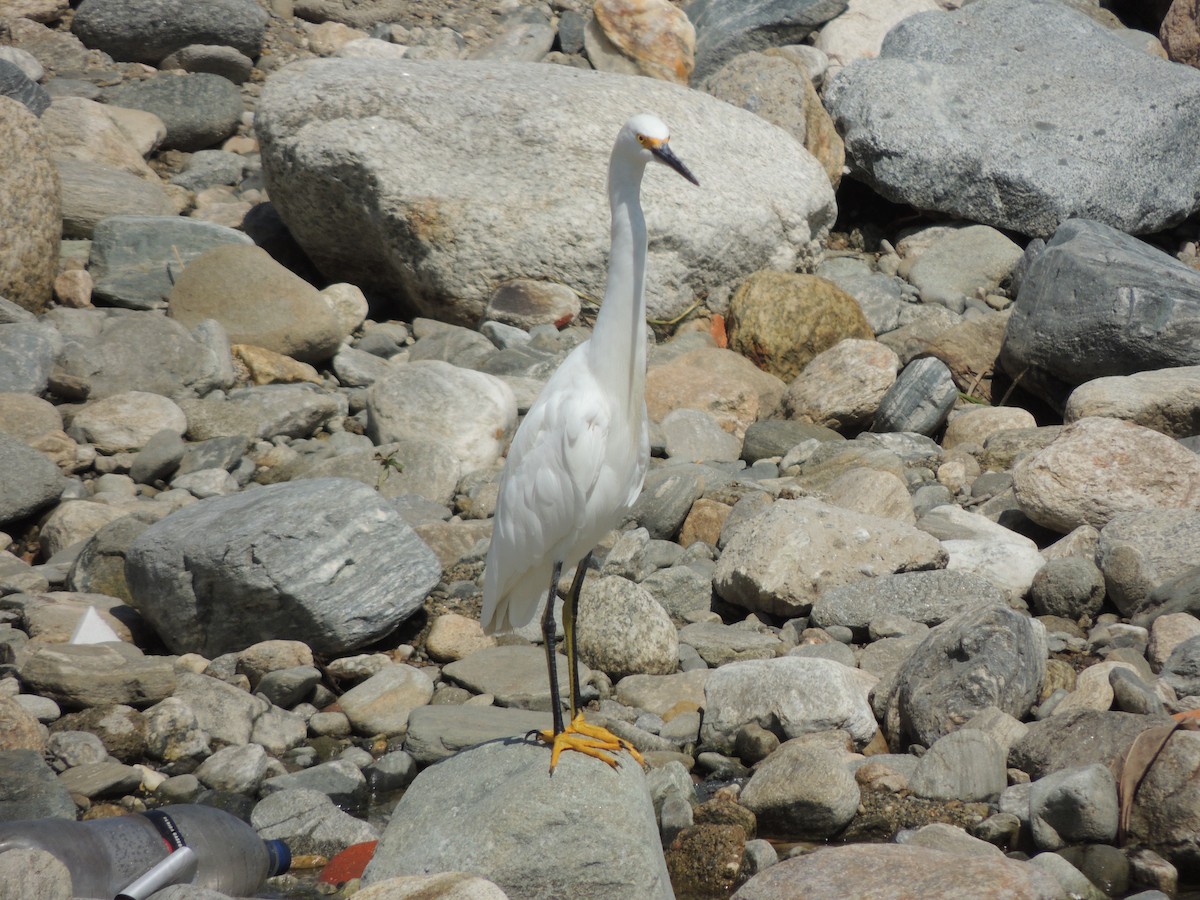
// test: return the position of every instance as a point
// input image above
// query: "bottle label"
(167, 828)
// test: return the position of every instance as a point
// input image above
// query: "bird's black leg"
(548, 637)
(570, 608)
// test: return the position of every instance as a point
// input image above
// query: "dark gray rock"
(135, 259)
(668, 495)
(1166, 808)
(27, 352)
(1098, 302)
(1178, 594)
(227, 62)
(493, 811)
(214, 453)
(928, 597)
(30, 483)
(198, 110)
(1182, 668)
(327, 561)
(29, 789)
(16, 85)
(1074, 806)
(920, 399)
(1070, 587)
(209, 168)
(158, 458)
(1077, 738)
(988, 656)
(725, 28)
(775, 437)
(993, 113)
(339, 780)
(1133, 695)
(571, 25)
(147, 30)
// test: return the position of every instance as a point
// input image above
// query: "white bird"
(579, 459)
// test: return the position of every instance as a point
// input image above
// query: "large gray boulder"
(988, 656)
(1098, 302)
(1022, 114)
(30, 483)
(584, 831)
(326, 561)
(147, 30)
(497, 183)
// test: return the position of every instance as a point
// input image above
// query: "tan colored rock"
(30, 214)
(782, 320)
(43, 11)
(1180, 32)
(269, 656)
(841, 388)
(655, 36)
(27, 417)
(1092, 689)
(268, 367)
(56, 615)
(719, 382)
(83, 129)
(703, 522)
(1097, 468)
(453, 636)
(1168, 632)
(1167, 400)
(257, 301)
(872, 492)
(349, 305)
(73, 289)
(93, 191)
(969, 350)
(327, 38)
(19, 730)
(975, 424)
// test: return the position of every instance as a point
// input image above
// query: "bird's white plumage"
(579, 459)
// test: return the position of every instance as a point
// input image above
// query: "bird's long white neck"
(618, 344)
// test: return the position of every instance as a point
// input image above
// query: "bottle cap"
(279, 857)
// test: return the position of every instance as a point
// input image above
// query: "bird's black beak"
(665, 155)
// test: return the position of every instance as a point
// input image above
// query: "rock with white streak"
(326, 561)
(419, 233)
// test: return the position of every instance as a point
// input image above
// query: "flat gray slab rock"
(438, 732)
(482, 146)
(1097, 302)
(1022, 115)
(326, 561)
(514, 675)
(584, 831)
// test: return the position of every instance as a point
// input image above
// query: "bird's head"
(647, 137)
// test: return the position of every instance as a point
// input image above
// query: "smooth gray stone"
(326, 561)
(1074, 806)
(101, 779)
(31, 480)
(16, 85)
(1132, 695)
(878, 294)
(147, 30)
(1078, 737)
(571, 25)
(227, 62)
(438, 732)
(214, 453)
(263, 411)
(27, 353)
(100, 565)
(287, 687)
(309, 822)
(775, 437)
(986, 656)
(668, 495)
(89, 675)
(928, 597)
(965, 765)
(1178, 594)
(158, 459)
(12, 314)
(339, 780)
(520, 35)
(29, 789)
(199, 110)
(126, 351)
(392, 771)
(135, 259)
(494, 811)
(1071, 587)
(1098, 302)
(920, 399)
(1021, 115)
(1182, 668)
(725, 28)
(514, 675)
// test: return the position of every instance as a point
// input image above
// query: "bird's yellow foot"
(591, 740)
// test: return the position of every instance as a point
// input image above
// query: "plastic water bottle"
(106, 856)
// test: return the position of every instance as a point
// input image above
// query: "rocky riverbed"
(910, 604)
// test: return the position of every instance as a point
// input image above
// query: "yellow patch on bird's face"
(650, 143)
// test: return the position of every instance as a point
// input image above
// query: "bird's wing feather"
(552, 466)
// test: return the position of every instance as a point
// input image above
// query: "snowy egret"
(579, 459)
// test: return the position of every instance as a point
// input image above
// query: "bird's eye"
(642, 139)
